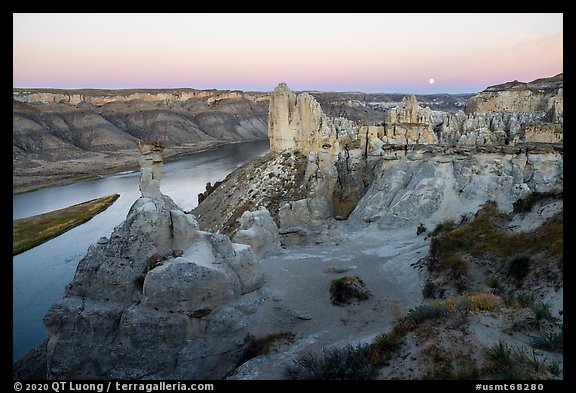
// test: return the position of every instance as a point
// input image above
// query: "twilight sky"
(328, 52)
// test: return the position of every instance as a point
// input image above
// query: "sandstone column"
(151, 167)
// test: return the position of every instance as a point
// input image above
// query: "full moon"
(431, 81)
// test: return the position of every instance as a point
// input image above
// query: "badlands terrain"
(423, 244)
(61, 136)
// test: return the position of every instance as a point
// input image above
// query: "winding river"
(41, 273)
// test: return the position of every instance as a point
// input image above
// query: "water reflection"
(40, 274)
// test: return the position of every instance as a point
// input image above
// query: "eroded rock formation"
(163, 299)
(345, 158)
(151, 167)
(158, 299)
(429, 184)
(540, 95)
(257, 229)
(332, 146)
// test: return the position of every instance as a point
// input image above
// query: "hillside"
(59, 134)
(543, 94)
(64, 135)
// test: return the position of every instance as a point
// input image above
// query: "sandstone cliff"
(417, 164)
(544, 94)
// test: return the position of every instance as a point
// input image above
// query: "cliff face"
(105, 120)
(545, 94)
(429, 184)
(347, 161)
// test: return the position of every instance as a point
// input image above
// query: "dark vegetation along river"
(41, 273)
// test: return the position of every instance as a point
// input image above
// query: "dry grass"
(486, 236)
(476, 302)
(31, 231)
(264, 345)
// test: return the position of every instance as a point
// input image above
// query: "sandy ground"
(298, 298)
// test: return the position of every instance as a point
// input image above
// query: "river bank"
(31, 231)
(41, 273)
(65, 172)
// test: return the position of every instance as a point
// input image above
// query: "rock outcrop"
(332, 147)
(259, 231)
(345, 158)
(429, 184)
(158, 299)
(151, 167)
(540, 95)
(297, 122)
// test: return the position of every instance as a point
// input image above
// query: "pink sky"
(329, 52)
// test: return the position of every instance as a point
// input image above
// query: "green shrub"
(541, 310)
(496, 284)
(550, 342)
(425, 312)
(512, 363)
(343, 290)
(515, 326)
(518, 266)
(540, 314)
(382, 347)
(385, 342)
(499, 354)
(525, 299)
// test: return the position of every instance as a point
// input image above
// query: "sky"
(365, 52)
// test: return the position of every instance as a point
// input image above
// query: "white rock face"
(258, 230)
(430, 187)
(506, 114)
(297, 122)
(345, 158)
(141, 300)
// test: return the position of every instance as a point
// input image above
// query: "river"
(41, 273)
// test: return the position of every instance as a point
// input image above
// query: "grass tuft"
(550, 342)
(525, 299)
(350, 362)
(263, 345)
